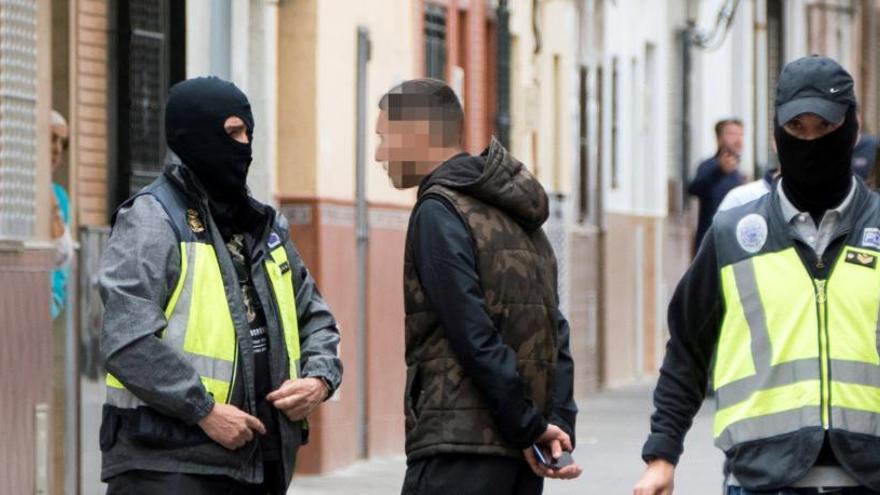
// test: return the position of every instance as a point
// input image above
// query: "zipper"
(821, 286)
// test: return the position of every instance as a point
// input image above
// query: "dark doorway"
(149, 56)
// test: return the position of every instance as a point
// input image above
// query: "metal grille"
(148, 83)
(435, 41)
(18, 119)
(557, 233)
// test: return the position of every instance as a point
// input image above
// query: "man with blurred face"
(786, 293)
(718, 175)
(217, 342)
(489, 372)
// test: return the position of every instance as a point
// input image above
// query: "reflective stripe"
(178, 312)
(766, 378)
(208, 367)
(855, 372)
(856, 421)
(120, 397)
(750, 298)
(769, 425)
(282, 287)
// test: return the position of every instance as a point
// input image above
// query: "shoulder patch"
(274, 240)
(751, 233)
(871, 237)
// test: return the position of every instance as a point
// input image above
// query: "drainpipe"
(502, 117)
(363, 236)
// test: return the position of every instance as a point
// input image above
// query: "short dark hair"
(721, 124)
(426, 99)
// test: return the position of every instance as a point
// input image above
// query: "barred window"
(435, 41)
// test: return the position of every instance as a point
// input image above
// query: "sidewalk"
(611, 428)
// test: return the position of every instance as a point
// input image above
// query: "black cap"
(816, 85)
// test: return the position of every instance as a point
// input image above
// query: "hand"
(298, 398)
(658, 479)
(728, 161)
(553, 440)
(230, 426)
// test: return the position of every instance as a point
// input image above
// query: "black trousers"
(462, 474)
(158, 483)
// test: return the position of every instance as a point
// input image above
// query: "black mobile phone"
(544, 458)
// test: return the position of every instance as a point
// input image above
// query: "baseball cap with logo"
(816, 85)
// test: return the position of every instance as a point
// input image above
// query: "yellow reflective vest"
(200, 324)
(797, 360)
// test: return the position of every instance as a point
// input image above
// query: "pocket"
(413, 391)
(154, 429)
(110, 420)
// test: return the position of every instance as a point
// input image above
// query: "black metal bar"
(502, 115)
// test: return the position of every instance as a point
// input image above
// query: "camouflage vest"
(445, 412)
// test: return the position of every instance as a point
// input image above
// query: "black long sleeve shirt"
(446, 265)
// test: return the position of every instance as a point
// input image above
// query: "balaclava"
(194, 127)
(817, 174)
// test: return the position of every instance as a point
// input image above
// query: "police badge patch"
(871, 238)
(751, 233)
(195, 222)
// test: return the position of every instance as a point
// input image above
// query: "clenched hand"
(658, 479)
(230, 426)
(298, 398)
(554, 440)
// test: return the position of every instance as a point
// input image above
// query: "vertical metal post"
(502, 117)
(71, 389)
(685, 35)
(363, 235)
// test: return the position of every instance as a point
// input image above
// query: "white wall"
(630, 26)
(246, 55)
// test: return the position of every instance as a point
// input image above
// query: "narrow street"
(611, 428)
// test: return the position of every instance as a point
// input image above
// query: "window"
(435, 41)
(583, 146)
(150, 58)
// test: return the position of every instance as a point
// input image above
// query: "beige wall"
(297, 104)
(317, 77)
(543, 106)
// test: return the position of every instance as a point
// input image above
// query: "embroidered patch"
(285, 267)
(751, 233)
(274, 240)
(861, 259)
(195, 222)
(871, 238)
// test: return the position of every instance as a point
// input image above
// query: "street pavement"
(611, 428)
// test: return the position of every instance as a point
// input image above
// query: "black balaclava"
(194, 127)
(817, 174)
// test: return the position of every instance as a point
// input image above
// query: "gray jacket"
(138, 272)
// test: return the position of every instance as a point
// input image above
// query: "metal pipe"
(502, 117)
(685, 38)
(71, 389)
(363, 236)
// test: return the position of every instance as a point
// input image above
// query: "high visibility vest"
(795, 352)
(200, 324)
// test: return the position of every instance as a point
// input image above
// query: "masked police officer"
(785, 291)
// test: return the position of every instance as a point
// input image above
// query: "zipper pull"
(820, 291)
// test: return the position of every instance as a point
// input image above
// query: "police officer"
(217, 342)
(786, 291)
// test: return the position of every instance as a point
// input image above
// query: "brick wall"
(90, 103)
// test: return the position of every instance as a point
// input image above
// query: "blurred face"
(731, 138)
(409, 149)
(59, 144)
(809, 126)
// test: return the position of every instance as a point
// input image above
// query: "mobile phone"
(544, 458)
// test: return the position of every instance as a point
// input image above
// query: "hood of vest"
(497, 179)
